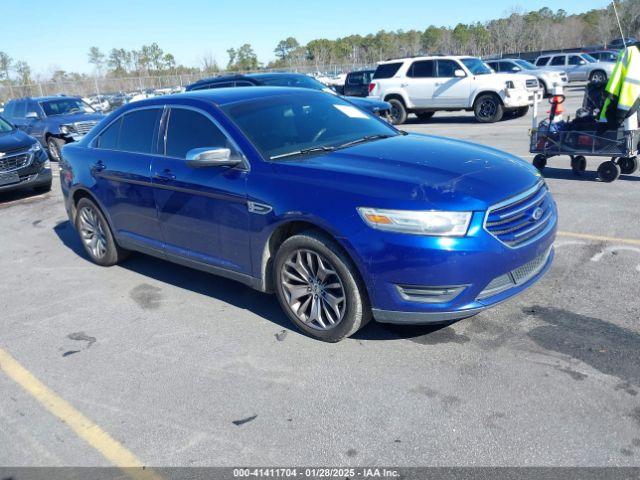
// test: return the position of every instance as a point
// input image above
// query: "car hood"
(76, 117)
(369, 104)
(417, 172)
(15, 140)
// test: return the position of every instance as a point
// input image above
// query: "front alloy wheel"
(313, 290)
(96, 235)
(53, 146)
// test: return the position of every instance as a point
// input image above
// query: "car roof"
(426, 57)
(224, 96)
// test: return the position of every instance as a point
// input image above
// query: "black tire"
(43, 188)
(113, 254)
(521, 112)
(598, 76)
(628, 165)
(54, 148)
(425, 115)
(540, 162)
(398, 112)
(578, 164)
(608, 171)
(488, 108)
(545, 89)
(356, 309)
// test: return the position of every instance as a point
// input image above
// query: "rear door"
(121, 164)
(451, 91)
(202, 210)
(420, 83)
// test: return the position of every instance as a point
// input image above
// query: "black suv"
(23, 161)
(377, 107)
(53, 121)
(357, 83)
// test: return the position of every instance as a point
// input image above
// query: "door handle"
(165, 176)
(404, 85)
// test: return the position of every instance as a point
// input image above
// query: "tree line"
(516, 31)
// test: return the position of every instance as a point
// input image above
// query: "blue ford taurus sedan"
(300, 193)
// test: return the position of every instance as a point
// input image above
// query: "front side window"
(188, 129)
(356, 78)
(422, 69)
(293, 124)
(575, 60)
(558, 61)
(138, 131)
(5, 126)
(8, 109)
(64, 106)
(447, 68)
(20, 109)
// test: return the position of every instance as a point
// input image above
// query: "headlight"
(66, 129)
(441, 224)
(36, 147)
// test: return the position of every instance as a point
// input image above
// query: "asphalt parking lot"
(181, 368)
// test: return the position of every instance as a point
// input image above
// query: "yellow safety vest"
(624, 85)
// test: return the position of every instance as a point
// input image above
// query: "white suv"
(424, 85)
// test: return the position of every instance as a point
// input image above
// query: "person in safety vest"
(623, 88)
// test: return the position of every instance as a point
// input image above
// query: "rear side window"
(356, 78)
(138, 130)
(447, 68)
(542, 61)
(387, 70)
(422, 69)
(557, 61)
(188, 129)
(108, 139)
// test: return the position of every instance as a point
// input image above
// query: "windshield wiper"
(304, 151)
(367, 138)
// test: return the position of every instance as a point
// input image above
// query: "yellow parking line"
(599, 238)
(91, 433)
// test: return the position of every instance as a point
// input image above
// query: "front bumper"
(515, 98)
(30, 180)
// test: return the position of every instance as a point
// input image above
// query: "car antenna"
(615, 10)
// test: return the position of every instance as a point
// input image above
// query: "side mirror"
(583, 62)
(211, 157)
(516, 69)
(459, 73)
(32, 116)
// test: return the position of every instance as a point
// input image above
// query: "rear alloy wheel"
(318, 288)
(628, 165)
(608, 171)
(96, 235)
(598, 76)
(54, 147)
(488, 109)
(398, 112)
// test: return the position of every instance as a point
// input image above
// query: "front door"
(202, 210)
(451, 91)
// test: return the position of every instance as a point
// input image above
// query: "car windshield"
(65, 106)
(589, 58)
(5, 126)
(525, 65)
(300, 81)
(293, 125)
(476, 66)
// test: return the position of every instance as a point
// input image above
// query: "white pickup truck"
(424, 85)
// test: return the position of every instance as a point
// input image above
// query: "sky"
(51, 38)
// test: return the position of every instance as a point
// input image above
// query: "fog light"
(413, 293)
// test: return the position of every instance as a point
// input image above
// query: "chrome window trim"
(92, 144)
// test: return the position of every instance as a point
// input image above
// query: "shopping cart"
(549, 139)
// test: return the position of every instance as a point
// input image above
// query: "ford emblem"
(537, 214)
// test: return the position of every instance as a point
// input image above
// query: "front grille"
(522, 219)
(13, 162)
(515, 277)
(532, 84)
(83, 127)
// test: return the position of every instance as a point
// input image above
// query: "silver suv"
(548, 78)
(580, 67)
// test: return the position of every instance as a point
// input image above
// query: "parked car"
(425, 85)
(580, 67)
(619, 43)
(357, 83)
(301, 193)
(277, 79)
(23, 162)
(605, 55)
(53, 121)
(548, 79)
